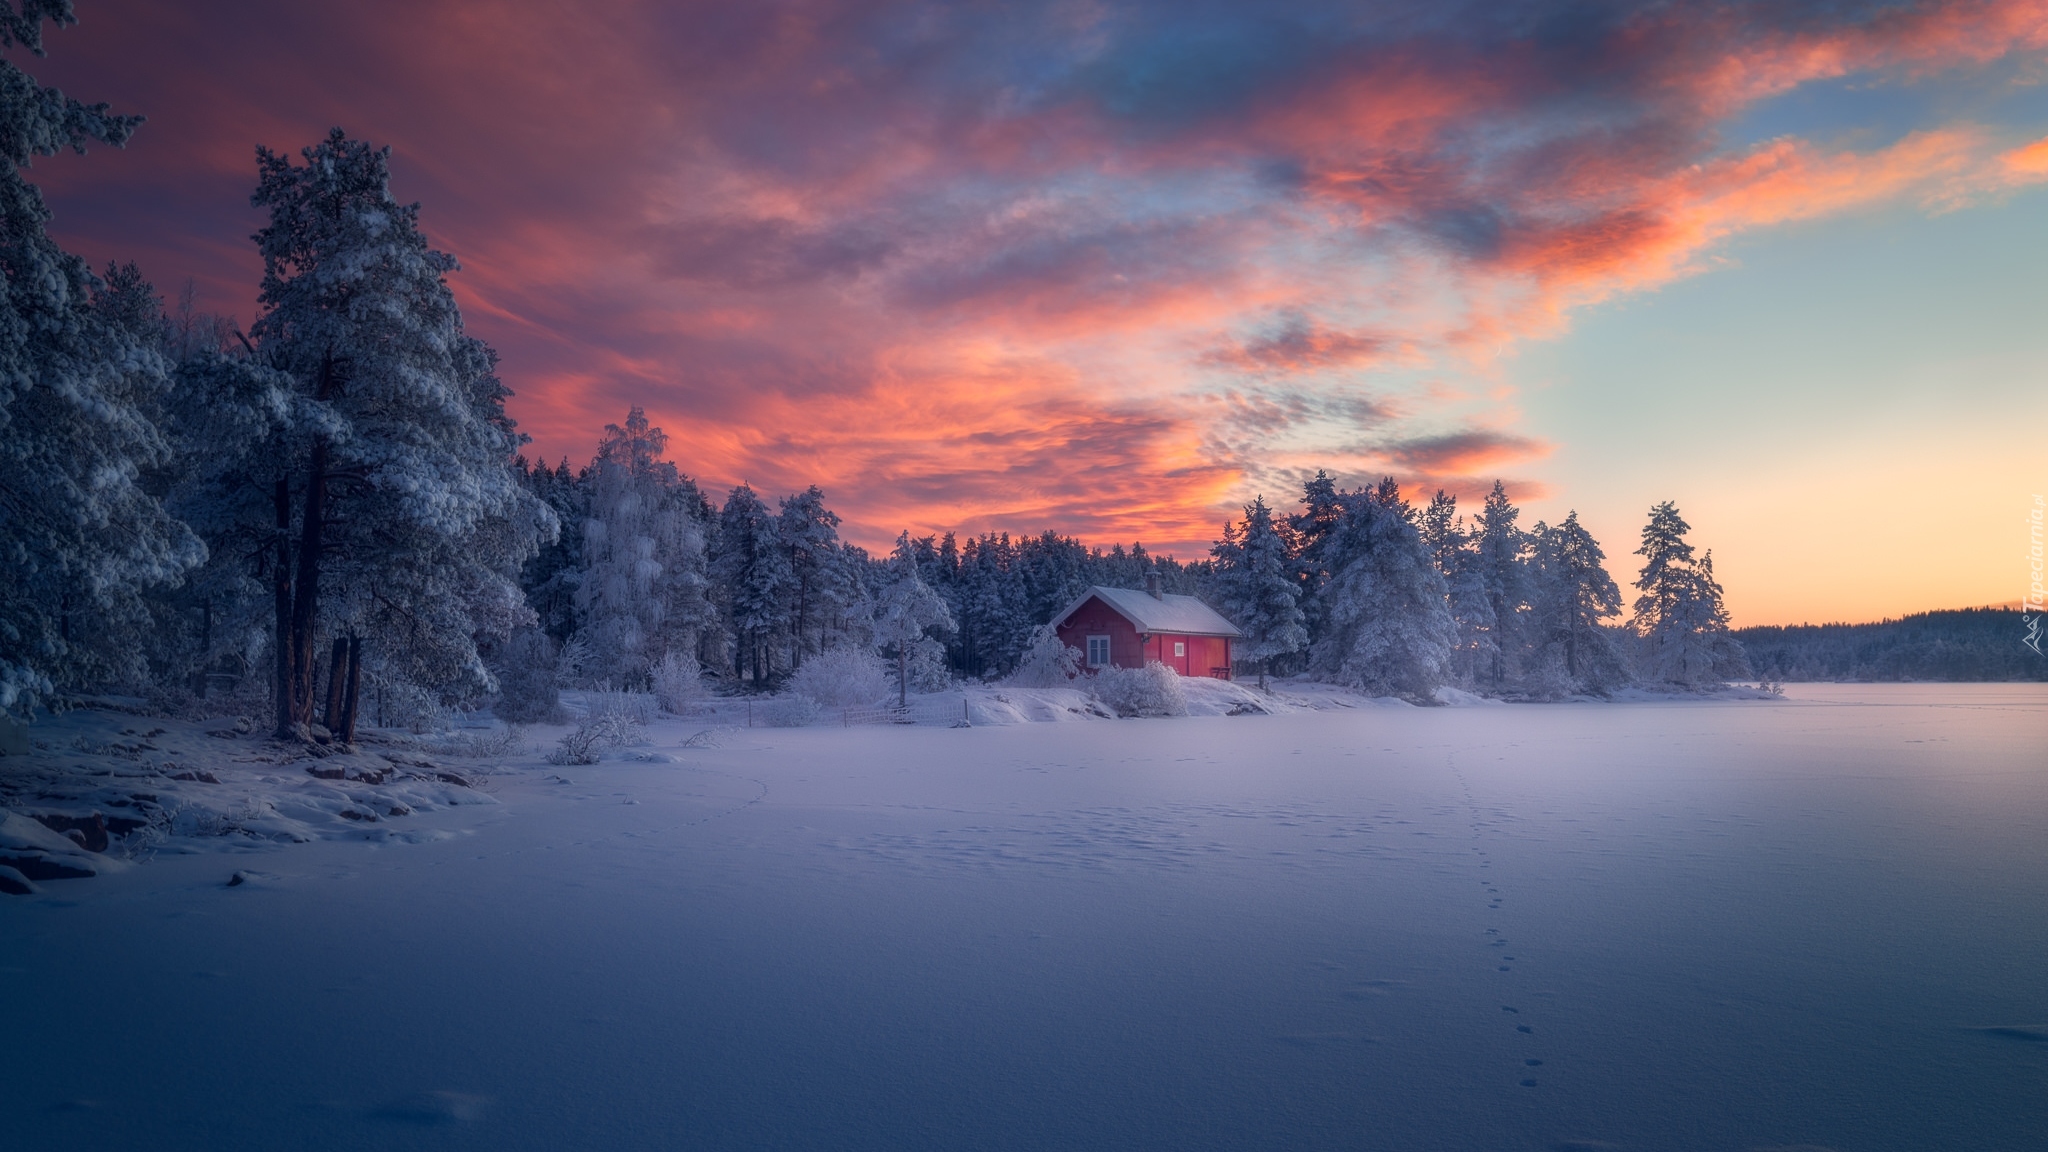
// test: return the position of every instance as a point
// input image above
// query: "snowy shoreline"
(104, 787)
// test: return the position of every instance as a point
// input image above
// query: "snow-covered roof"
(1179, 615)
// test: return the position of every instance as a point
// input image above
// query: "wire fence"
(931, 713)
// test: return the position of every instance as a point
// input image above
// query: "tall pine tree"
(642, 594)
(1258, 589)
(81, 538)
(401, 522)
(751, 568)
(1573, 598)
(1679, 616)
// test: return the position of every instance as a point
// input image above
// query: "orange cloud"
(1087, 267)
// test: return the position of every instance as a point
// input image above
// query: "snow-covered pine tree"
(1680, 616)
(1443, 532)
(551, 578)
(1454, 550)
(1050, 571)
(817, 589)
(81, 538)
(906, 610)
(1387, 629)
(1502, 565)
(1573, 595)
(401, 523)
(223, 412)
(1259, 592)
(642, 593)
(1322, 510)
(751, 568)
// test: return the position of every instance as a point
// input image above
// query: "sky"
(1116, 268)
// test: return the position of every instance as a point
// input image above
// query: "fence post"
(963, 711)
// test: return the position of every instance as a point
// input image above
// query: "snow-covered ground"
(1663, 924)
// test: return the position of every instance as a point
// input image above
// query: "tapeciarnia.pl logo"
(2031, 607)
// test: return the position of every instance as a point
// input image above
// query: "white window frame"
(1104, 660)
(1180, 649)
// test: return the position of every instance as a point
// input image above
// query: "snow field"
(1665, 925)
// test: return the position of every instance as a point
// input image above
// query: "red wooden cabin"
(1126, 628)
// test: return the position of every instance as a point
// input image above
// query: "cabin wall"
(1097, 619)
(1200, 655)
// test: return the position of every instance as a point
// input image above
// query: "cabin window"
(1098, 651)
(1180, 647)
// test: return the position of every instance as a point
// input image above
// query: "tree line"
(1960, 644)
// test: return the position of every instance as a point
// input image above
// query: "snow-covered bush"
(401, 704)
(528, 692)
(507, 741)
(611, 719)
(636, 707)
(789, 712)
(1153, 690)
(678, 683)
(844, 677)
(1048, 662)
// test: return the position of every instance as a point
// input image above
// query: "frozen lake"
(1820, 923)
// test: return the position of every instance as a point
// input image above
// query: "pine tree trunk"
(281, 589)
(306, 590)
(337, 674)
(902, 675)
(199, 685)
(352, 694)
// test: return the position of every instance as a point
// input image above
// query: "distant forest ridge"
(1958, 644)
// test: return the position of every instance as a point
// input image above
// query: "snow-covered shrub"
(612, 719)
(636, 707)
(598, 730)
(1544, 678)
(528, 692)
(574, 664)
(844, 677)
(793, 711)
(678, 683)
(400, 704)
(1153, 690)
(507, 741)
(1048, 662)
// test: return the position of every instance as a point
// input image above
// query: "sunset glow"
(1115, 269)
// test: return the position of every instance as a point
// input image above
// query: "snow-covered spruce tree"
(1572, 596)
(400, 521)
(1502, 565)
(818, 588)
(906, 610)
(1456, 555)
(1679, 617)
(528, 692)
(1257, 588)
(751, 569)
(1387, 630)
(81, 538)
(1322, 510)
(550, 579)
(642, 593)
(993, 612)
